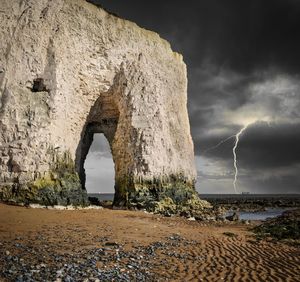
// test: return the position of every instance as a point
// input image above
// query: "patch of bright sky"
(99, 167)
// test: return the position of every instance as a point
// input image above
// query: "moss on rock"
(59, 186)
(283, 227)
(169, 196)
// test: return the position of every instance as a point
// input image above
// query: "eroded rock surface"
(69, 69)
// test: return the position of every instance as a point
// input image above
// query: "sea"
(260, 215)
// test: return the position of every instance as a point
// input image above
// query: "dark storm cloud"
(202, 175)
(240, 36)
(270, 146)
(243, 35)
(233, 100)
(282, 184)
(260, 146)
(211, 86)
(203, 146)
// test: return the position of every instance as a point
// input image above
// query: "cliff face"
(68, 69)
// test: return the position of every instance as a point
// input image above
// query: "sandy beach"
(116, 245)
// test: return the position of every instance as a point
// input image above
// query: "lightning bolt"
(236, 143)
(237, 139)
(219, 144)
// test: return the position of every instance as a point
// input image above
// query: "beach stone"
(112, 244)
(233, 217)
(220, 218)
(73, 70)
(246, 222)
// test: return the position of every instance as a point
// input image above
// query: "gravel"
(110, 262)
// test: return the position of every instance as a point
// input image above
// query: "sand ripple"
(184, 250)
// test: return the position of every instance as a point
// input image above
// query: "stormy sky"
(243, 60)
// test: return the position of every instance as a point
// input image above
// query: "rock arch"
(69, 69)
(103, 118)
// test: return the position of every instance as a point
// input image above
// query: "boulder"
(234, 217)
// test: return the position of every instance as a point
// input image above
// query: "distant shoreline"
(238, 202)
(204, 196)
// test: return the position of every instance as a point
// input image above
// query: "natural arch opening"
(101, 123)
(99, 169)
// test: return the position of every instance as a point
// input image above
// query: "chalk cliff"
(69, 69)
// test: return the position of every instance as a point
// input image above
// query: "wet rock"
(234, 217)
(220, 218)
(94, 201)
(283, 227)
(112, 244)
(246, 222)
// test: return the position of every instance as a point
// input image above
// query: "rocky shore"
(253, 203)
(285, 227)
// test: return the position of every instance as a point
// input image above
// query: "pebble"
(110, 262)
